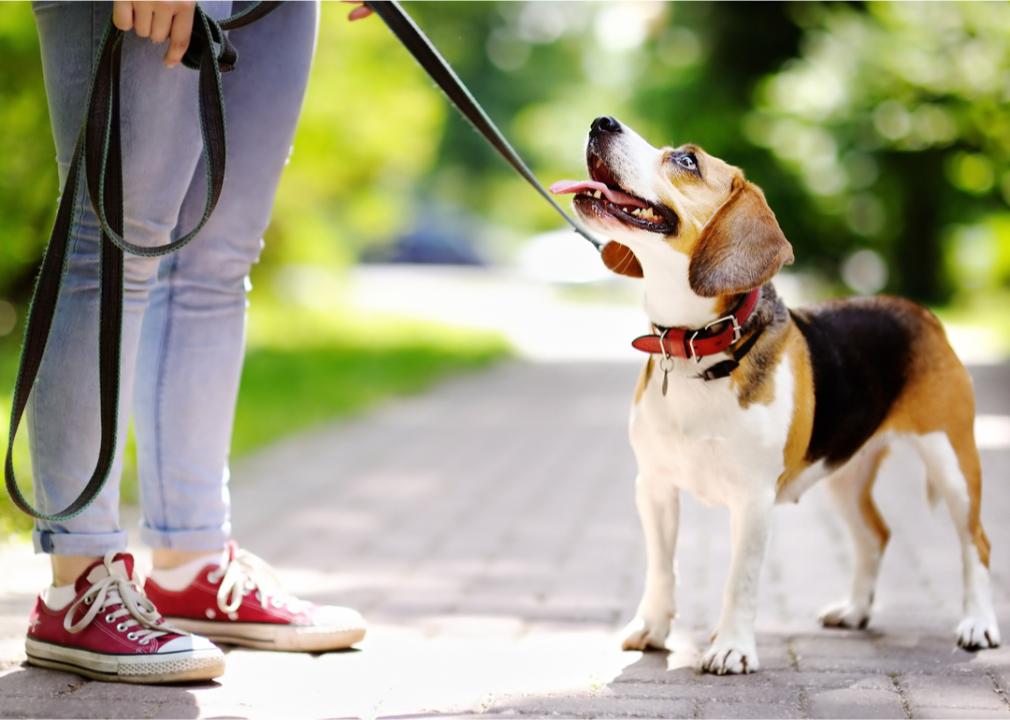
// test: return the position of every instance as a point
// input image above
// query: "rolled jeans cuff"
(190, 540)
(76, 543)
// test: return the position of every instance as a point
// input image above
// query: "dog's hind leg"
(953, 467)
(851, 489)
(659, 510)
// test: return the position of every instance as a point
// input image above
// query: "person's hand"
(361, 11)
(159, 21)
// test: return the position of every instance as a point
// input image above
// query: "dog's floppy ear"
(741, 247)
(620, 259)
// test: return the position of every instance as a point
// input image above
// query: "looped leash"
(98, 153)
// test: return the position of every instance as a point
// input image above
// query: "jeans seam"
(72, 244)
(159, 390)
(75, 231)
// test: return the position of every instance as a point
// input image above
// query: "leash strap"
(418, 44)
(98, 151)
(98, 147)
(726, 367)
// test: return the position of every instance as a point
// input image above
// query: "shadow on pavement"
(38, 692)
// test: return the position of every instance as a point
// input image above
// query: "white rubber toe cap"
(333, 617)
(191, 643)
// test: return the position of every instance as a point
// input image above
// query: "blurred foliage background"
(879, 132)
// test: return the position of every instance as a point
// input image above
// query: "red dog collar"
(700, 342)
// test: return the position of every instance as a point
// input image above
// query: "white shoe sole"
(182, 666)
(271, 636)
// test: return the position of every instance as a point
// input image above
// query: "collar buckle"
(737, 334)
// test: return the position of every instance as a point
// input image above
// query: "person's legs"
(161, 143)
(192, 341)
(94, 620)
(191, 359)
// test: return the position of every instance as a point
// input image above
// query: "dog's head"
(681, 200)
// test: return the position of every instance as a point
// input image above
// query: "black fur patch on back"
(859, 350)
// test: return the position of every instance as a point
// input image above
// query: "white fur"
(978, 626)
(697, 437)
(845, 486)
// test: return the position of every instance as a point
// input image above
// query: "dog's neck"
(669, 300)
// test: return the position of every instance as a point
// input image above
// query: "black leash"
(98, 153)
(440, 71)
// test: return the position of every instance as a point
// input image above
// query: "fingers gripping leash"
(98, 156)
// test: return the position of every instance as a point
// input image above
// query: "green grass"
(303, 367)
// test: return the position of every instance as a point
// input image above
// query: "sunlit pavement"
(487, 530)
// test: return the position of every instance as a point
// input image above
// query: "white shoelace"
(134, 610)
(246, 573)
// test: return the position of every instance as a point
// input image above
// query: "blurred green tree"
(879, 127)
(28, 186)
(894, 119)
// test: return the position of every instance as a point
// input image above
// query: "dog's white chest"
(699, 438)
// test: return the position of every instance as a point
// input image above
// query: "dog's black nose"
(604, 124)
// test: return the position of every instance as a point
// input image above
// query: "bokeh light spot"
(865, 272)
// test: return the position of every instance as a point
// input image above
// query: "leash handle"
(418, 44)
(98, 153)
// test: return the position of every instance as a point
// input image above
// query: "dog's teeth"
(597, 194)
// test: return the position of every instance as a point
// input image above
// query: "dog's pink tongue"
(569, 187)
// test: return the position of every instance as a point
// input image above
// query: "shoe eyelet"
(131, 636)
(121, 627)
(109, 618)
(88, 600)
(145, 641)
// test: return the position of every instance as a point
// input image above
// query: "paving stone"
(855, 702)
(488, 529)
(594, 706)
(790, 709)
(961, 690)
(926, 712)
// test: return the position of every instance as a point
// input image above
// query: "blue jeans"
(184, 315)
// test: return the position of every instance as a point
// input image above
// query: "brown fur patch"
(802, 424)
(868, 508)
(741, 247)
(643, 379)
(753, 381)
(939, 398)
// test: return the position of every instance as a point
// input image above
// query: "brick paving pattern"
(488, 531)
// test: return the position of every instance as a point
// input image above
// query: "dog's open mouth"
(605, 196)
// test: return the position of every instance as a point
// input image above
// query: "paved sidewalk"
(488, 531)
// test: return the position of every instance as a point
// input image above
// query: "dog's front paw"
(976, 633)
(730, 657)
(846, 614)
(643, 633)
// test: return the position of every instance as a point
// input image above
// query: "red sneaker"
(240, 603)
(112, 632)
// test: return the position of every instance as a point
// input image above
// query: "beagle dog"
(746, 403)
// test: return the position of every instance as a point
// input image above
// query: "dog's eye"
(687, 161)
